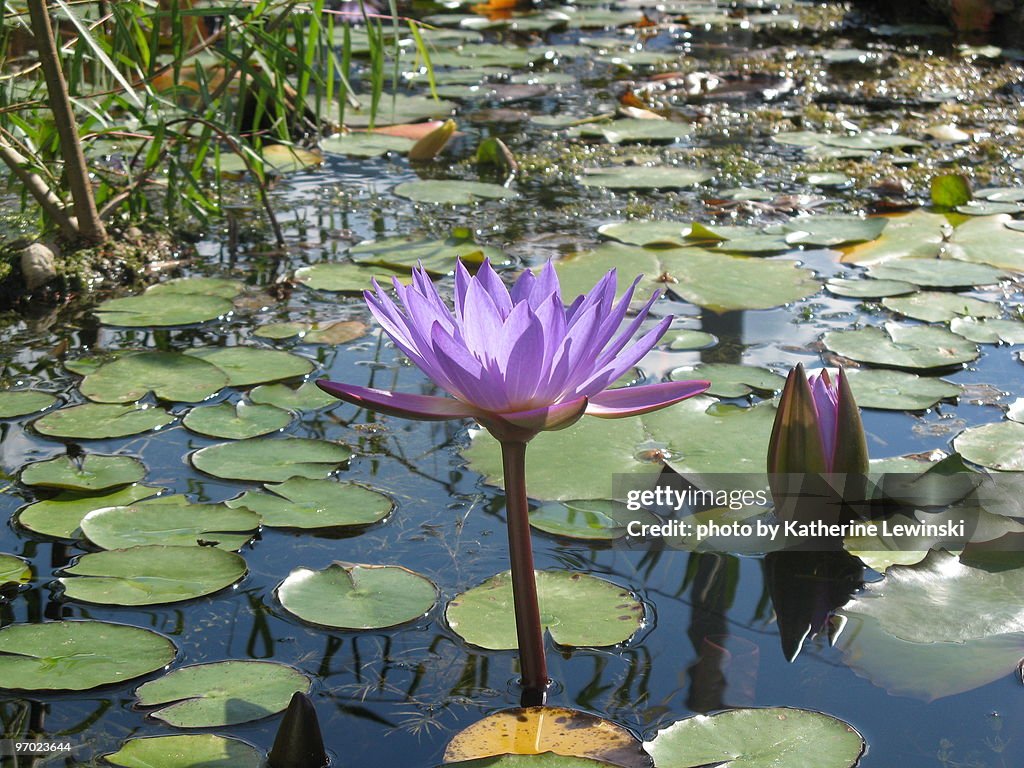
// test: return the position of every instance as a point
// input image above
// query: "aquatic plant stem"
(529, 631)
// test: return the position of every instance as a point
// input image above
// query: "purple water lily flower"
(519, 361)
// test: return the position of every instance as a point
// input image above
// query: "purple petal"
(633, 401)
(825, 395)
(481, 321)
(546, 284)
(523, 286)
(548, 418)
(422, 407)
(472, 381)
(623, 362)
(462, 280)
(495, 288)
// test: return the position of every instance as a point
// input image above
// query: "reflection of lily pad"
(151, 575)
(238, 421)
(90, 473)
(452, 192)
(270, 460)
(253, 365)
(996, 446)
(919, 347)
(24, 402)
(898, 390)
(169, 375)
(939, 307)
(201, 749)
(61, 516)
(162, 309)
(645, 177)
(730, 380)
(779, 737)
(222, 693)
(96, 421)
(357, 596)
(78, 655)
(576, 609)
(304, 503)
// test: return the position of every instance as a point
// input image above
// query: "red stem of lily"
(529, 630)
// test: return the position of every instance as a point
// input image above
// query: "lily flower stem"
(529, 630)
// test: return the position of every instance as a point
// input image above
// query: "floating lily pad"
(14, 570)
(24, 402)
(253, 365)
(347, 277)
(452, 192)
(917, 347)
(988, 240)
(238, 421)
(347, 596)
(168, 375)
(202, 749)
(830, 231)
(278, 331)
(92, 472)
(987, 208)
(779, 737)
(633, 130)
(868, 289)
(730, 380)
(826, 179)
(151, 575)
(366, 144)
(937, 273)
(576, 609)
(222, 693)
(436, 256)
(996, 446)
(863, 141)
(918, 234)
(78, 655)
(205, 286)
(172, 521)
(397, 109)
(936, 307)
(898, 390)
(647, 233)
(308, 397)
(277, 159)
(96, 421)
(550, 735)
(61, 516)
(645, 177)
(162, 309)
(597, 520)
(581, 272)
(685, 340)
(988, 331)
(304, 503)
(341, 332)
(271, 460)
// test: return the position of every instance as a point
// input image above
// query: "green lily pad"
(898, 390)
(937, 273)
(595, 520)
(938, 307)
(988, 331)
(14, 570)
(779, 737)
(346, 596)
(61, 516)
(238, 421)
(997, 446)
(340, 332)
(96, 421)
(868, 141)
(868, 289)
(1002, 194)
(830, 231)
(162, 309)
(172, 521)
(78, 655)
(580, 273)
(917, 347)
(271, 460)
(988, 240)
(686, 340)
(92, 473)
(645, 177)
(543, 760)
(647, 233)
(222, 693)
(366, 144)
(201, 749)
(396, 109)
(23, 402)
(308, 397)
(245, 366)
(730, 380)
(577, 609)
(277, 159)
(452, 191)
(303, 503)
(634, 130)
(346, 277)
(917, 235)
(724, 283)
(827, 179)
(436, 256)
(151, 575)
(204, 286)
(987, 208)
(279, 331)
(168, 375)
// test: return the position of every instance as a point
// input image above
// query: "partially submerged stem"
(529, 631)
(90, 226)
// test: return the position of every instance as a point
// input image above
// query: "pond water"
(711, 638)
